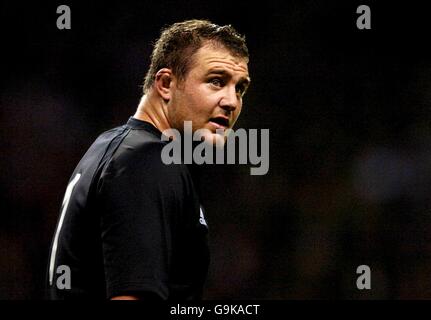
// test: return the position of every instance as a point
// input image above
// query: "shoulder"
(139, 157)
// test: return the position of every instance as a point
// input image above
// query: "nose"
(230, 100)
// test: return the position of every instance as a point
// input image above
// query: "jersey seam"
(124, 134)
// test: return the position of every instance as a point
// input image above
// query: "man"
(131, 227)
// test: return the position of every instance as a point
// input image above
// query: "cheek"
(202, 100)
(237, 112)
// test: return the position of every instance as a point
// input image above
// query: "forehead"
(212, 56)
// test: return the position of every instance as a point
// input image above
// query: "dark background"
(349, 117)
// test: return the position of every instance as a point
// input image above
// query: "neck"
(152, 110)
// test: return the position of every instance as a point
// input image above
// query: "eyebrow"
(222, 72)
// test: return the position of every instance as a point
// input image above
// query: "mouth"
(220, 122)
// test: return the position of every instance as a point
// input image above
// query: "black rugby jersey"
(129, 224)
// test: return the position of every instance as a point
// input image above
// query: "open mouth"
(221, 121)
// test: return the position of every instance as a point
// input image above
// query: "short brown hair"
(178, 43)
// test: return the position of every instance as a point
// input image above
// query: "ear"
(163, 83)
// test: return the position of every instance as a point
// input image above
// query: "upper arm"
(141, 200)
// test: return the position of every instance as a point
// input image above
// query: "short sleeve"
(141, 200)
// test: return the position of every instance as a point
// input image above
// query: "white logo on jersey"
(202, 218)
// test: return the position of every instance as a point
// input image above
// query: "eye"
(241, 89)
(216, 82)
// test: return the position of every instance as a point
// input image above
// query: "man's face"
(211, 94)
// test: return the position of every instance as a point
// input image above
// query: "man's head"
(179, 42)
(199, 70)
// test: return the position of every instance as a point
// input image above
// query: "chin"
(218, 139)
(214, 138)
(212, 135)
